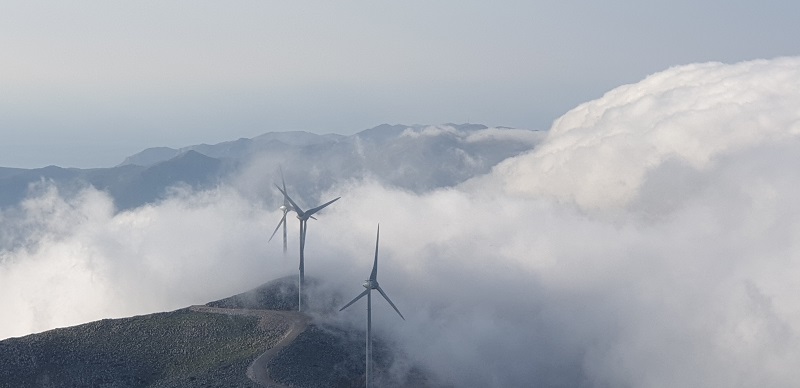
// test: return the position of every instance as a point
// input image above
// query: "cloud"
(523, 136)
(598, 154)
(430, 131)
(650, 241)
(80, 261)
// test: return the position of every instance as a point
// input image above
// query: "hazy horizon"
(86, 84)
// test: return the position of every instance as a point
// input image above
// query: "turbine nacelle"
(304, 215)
(370, 284)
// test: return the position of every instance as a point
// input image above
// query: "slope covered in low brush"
(182, 348)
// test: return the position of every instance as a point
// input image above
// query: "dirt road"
(291, 323)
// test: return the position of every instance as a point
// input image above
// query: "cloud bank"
(598, 154)
(69, 258)
(650, 241)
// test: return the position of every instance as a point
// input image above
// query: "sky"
(86, 84)
(650, 240)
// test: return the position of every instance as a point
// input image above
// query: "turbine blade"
(320, 207)
(294, 205)
(283, 222)
(374, 275)
(283, 182)
(361, 295)
(312, 217)
(390, 302)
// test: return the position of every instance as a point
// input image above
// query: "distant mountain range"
(417, 158)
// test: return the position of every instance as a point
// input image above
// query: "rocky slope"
(176, 349)
(208, 346)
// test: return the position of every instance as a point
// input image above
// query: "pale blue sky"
(86, 83)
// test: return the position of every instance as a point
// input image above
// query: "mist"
(651, 240)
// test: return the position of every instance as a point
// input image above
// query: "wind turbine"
(285, 208)
(303, 216)
(372, 284)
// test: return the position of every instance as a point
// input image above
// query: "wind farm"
(308, 334)
(370, 284)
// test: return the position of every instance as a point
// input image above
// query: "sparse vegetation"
(189, 348)
(175, 349)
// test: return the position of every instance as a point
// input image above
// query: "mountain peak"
(384, 132)
(150, 156)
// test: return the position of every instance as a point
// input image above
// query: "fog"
(651, 241)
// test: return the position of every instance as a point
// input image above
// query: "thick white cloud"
(598, 154)
(69, 259)
(650, 241)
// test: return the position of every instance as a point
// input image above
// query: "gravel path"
(291, 322)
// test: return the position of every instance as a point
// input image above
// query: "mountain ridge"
(241, 345)
(380, 133)
(418, 158)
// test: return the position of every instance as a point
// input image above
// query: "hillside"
(183, 348)
(212, 345)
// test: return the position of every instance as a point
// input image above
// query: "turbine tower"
(372, 284)
(303, 216)
(285, 208)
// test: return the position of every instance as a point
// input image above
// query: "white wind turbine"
(303, 216)
(285, 208)
(372, 284)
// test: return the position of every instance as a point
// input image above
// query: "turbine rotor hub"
(373, 284)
